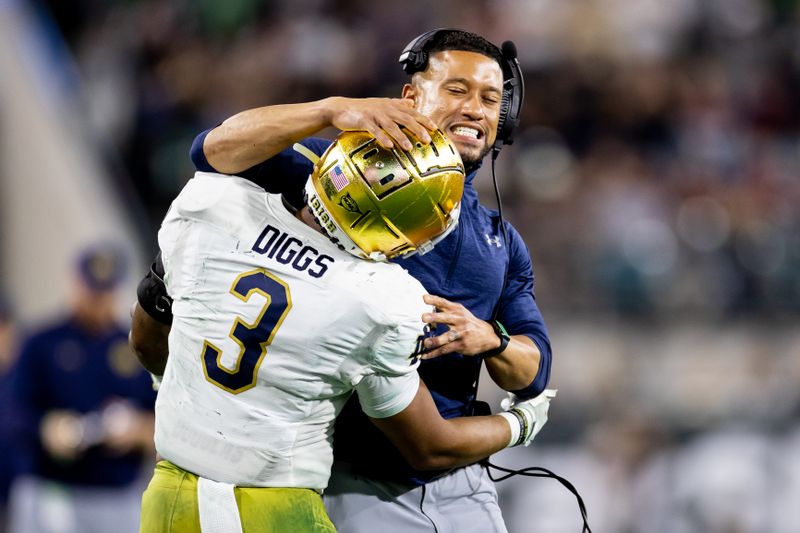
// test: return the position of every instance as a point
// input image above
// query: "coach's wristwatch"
(501, 332)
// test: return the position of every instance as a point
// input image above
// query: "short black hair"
(464, 41)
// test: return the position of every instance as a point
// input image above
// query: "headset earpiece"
(414, 58)
(513, 95)
(501, 123)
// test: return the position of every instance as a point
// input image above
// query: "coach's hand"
(466, 333)
(381, 117)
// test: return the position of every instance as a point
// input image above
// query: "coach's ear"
(410, 93)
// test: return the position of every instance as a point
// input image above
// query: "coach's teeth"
(466, 132)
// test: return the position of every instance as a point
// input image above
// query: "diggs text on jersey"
(286, 249)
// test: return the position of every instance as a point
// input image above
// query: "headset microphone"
(510, 114)
(509, 50)
(510, 110)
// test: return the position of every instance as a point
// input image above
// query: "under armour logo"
(492, 240)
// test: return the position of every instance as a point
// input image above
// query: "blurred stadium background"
(656, 181)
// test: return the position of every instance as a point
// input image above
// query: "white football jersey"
(273, 328)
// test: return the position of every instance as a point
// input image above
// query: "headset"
(414, 58)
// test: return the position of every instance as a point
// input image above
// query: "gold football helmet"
(379, 203)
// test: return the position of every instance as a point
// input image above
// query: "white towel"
(217, 505)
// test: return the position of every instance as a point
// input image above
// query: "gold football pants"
(170, 505)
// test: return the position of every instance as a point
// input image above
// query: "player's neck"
(305, 216)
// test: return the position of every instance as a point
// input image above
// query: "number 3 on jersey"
(253, 339)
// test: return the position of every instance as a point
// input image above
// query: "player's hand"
(382, 117)
(534, 414)
(466, 333)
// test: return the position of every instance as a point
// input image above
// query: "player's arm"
(255, 135)
(148, 340)
(429, 442)
(151, 320)
(399, 403)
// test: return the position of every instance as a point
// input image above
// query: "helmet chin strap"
(470, 168)
(334, 233)
(305, 152)
(339, 237)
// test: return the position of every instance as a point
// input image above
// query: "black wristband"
(152, 294)
(501, 332)
(523, 426)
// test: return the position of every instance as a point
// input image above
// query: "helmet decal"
(338, 178)
(348, 203)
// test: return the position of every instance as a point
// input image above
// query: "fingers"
(448, 342)
(408, 117)
(438, 301)
(397, 135)
(449, 313)
(415, 123)
(425, 121)
(440, 318)
(466, 334)
(420, 126)
(381, 136)
(385, 118)
(388, 134)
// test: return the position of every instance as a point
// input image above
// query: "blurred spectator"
(709, 495)
(8, 355)
(87, 414)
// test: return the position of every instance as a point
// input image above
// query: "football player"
(275, 317)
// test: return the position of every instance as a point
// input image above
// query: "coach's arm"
(253, 136)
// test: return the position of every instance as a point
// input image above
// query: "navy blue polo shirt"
(467, 267)
(67, 367)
